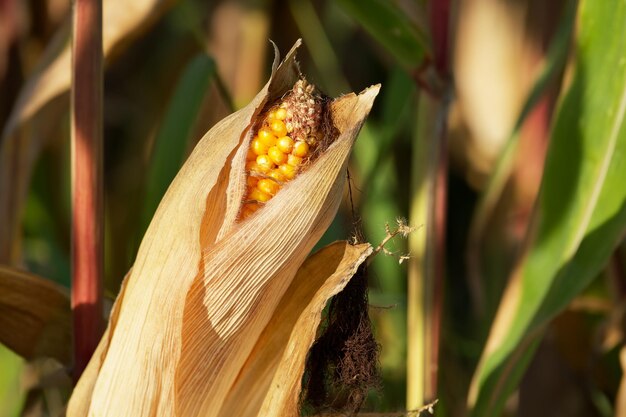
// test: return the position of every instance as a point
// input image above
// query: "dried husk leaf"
(291, 330)
(35, 316)
(224, 317)
(42, 101)
(203, 287)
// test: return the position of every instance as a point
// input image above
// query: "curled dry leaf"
(188, 331)
(35, 317)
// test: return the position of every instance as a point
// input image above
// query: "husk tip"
(370, 92)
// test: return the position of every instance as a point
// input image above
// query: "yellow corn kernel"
(277, 175)
(264, 163)
(267, 137)
(293, 160)
(251, 181)
(268, 186)
(285, 144)
(250, 156)
(258, 147)
(300, 149)
(280, 114)
(278, 127)
(276, 155)
(289, 171)
(271, 115)
(249, 209)
(259, 195)
(252, 166)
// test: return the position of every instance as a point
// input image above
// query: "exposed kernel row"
(281, 146)
(273, 159)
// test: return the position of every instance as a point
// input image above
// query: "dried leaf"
(204, 286)
(35, 317)
(121, 21)
(28, 125)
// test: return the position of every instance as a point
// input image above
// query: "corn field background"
(499, 134)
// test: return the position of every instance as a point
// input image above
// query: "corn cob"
(289, 135)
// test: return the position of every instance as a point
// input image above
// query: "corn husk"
(201, 300)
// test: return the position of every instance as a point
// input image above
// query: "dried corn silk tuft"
(289, 135)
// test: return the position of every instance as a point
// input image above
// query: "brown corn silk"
(196, 320)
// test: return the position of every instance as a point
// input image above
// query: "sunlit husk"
(284, 342)
(284, 388)
(203, 287)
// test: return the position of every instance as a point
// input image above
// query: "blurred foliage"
(11, 397)
(186, 71)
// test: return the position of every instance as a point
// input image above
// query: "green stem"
(426, 246)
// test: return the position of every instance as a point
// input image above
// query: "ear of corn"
(203, 288)
(287, 138)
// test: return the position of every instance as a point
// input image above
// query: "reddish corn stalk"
(441, 197)
(439, 26)
(440, 32)
(87, 187)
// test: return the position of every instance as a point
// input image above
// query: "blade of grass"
(87, 181)
(581, 212)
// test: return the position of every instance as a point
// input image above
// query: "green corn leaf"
(173, 137)
(390, 26)
(553, 67)
(581, 211)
